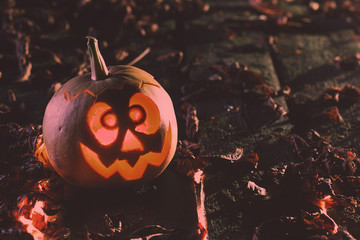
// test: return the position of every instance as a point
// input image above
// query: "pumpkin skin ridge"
(122, 78)
(68, 99)
(95, 95)
(127, 72)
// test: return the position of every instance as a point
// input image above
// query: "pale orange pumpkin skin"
(65, 126)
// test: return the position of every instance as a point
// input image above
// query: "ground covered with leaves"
(266, 95)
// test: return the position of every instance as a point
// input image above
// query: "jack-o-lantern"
(114, 126)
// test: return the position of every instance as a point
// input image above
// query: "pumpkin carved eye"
(103, 123)
(144, 113)
(137, 114)
(109, 120)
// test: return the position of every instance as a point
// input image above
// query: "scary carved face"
(112, 132)
(126, 135)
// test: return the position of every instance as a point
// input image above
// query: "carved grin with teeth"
(123, 167)
(128, 144)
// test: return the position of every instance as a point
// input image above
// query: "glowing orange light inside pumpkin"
(131, 143)
(152, 122)
(122, 167)
(136, 114)
(103, 123)
(109, 120)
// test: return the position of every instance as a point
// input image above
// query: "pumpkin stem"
(99, 70)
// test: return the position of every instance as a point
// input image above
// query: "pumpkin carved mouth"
(122, 166)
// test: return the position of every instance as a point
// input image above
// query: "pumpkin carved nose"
(131, 143)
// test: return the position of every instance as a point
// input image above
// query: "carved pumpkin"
(116, 125)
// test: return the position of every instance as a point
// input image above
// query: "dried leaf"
(4, 109)
(113, 223)
(186, 161)
(342, 235)
(23, 55)
(54, 88)
(266, 8)
(121, 54)
(185, 167)
(175, 56)
(338, 200)
(348, 63)
(274, 106)
(202, 233)
(189, 166)
(46, 54)
(231, 156)
(11, 96)
(319, 221)
(148, 232)
(224, 70)
(329, 114)
(40, 152)
(25, 74)
(215, 77)
(334, 114)
(53, 189)
(346, 95)
(285, 91)
(256, 189)
(265, 89)
(253, 159)
(192, 121)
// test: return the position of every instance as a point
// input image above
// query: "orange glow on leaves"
(109, 120)
(131, 143)
(103, 123)
(36, 221)
(152, 121)
(333, 114)
(253, 159)
(122, 167)
(203, 233)
(320, 220)
(40, 152)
